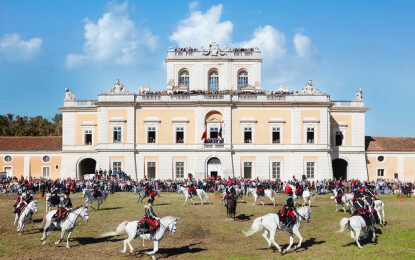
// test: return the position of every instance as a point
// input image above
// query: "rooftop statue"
(309, 89)
(358, 96)
(69, 95)
(214, 50)
(118, 88)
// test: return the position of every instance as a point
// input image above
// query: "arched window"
(213, 80)
(184, 78)
(242, 79)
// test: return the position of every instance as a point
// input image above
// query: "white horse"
(346, 200)
(271, 222)
(380, 206)
(25, 215)
(90, 197)
(68, 224)
(307, 196)
(49, 203)
(201, 193)
(355, 225)
(269, 193)
(168, 222)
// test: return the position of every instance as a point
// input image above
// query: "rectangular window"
(247, 170)
(310, 135)
(214, 132)
(179, 170)
(276, 170)
(151, 170)
(116, 166)
(381, 172)
(247, 135)
(151, 135)
(276, 135)
(179, 135)
(88, 137)
(116, 133)
(46, 172)
(9, 171)
(310, 170)
(339, 138)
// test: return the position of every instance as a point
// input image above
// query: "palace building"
(213, 119)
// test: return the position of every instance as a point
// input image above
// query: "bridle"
(307, 213)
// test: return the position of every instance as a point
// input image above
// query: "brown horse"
(231, 207)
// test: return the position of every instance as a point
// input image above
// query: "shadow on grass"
(169, 252)
(161, 204)
(110, 208)
(37, 220)
(94, 240)
(244, 217)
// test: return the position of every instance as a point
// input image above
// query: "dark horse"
(143, 195)
(231, 207)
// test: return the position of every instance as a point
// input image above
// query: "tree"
(34, 126)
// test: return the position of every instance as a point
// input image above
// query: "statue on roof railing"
(214, 50)
(118, 88)
(358, 96)
(309, 89)
(69, 95)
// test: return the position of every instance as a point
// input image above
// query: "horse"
(168, 222)
(271, 222)
(201, 193)
(346, 200)
(67, 224)
(356, 224)
(90, 197)
(380, 206)
(49, 203)
(307, 196)
(143, 195)
(25, 215)
(269, 193)
(231, 203)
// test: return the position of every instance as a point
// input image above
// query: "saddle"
(261, 192)
(339, 198)
(148, 225)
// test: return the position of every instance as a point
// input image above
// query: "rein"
(308, 210)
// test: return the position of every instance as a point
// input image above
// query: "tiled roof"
(382, 143)
(31, 143)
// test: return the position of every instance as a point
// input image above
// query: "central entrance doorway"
(86, 166)
(214, 167)
(340, 169)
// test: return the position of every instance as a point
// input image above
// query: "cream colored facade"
(266, 134)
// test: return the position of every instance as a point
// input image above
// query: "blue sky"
(342, 46)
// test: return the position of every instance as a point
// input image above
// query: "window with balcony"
(247, 170)
(339, 138)
(151, 135)
(88, 137)
(116, 134)
(276, 170)
(310, 135)
(179, 170)
(310, 170)
(151, 170)
(179, 135)
(247, 135)
(276, 135)
(242, 79)
(213, 81)
(184, 78)
(214, 132)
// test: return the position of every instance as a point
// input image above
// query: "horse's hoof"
(68, 247)
(57, 243)
(150, 253)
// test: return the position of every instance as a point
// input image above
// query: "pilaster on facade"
(102, 125)
(68, 128)
(296, 125)
(131, 125)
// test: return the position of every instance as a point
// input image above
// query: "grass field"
(204, 232)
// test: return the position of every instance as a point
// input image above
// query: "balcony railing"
(214, 145)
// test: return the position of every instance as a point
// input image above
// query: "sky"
(342, 46)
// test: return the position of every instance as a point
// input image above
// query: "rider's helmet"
(288, 190)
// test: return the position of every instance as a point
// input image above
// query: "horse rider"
(230, 193)
(260, 190)
(17, 206)
(191, 189)
(147, 189)
(371, 204)
(64, 206)
(361, 209)
(340, 193)
(299, 189)
(95, 191)
(287, 212)
(54, 199)
(150, 222)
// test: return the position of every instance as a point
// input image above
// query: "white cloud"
(14, 48)
(115, 38)
(193, 6)
(279, 66)
(303, 46)
(200, 29)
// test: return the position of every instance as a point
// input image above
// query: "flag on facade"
(203, 136)
(220, 132)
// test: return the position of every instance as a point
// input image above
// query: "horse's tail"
(120, 229)
(205, 194)
(344, 222)
(256, 226)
